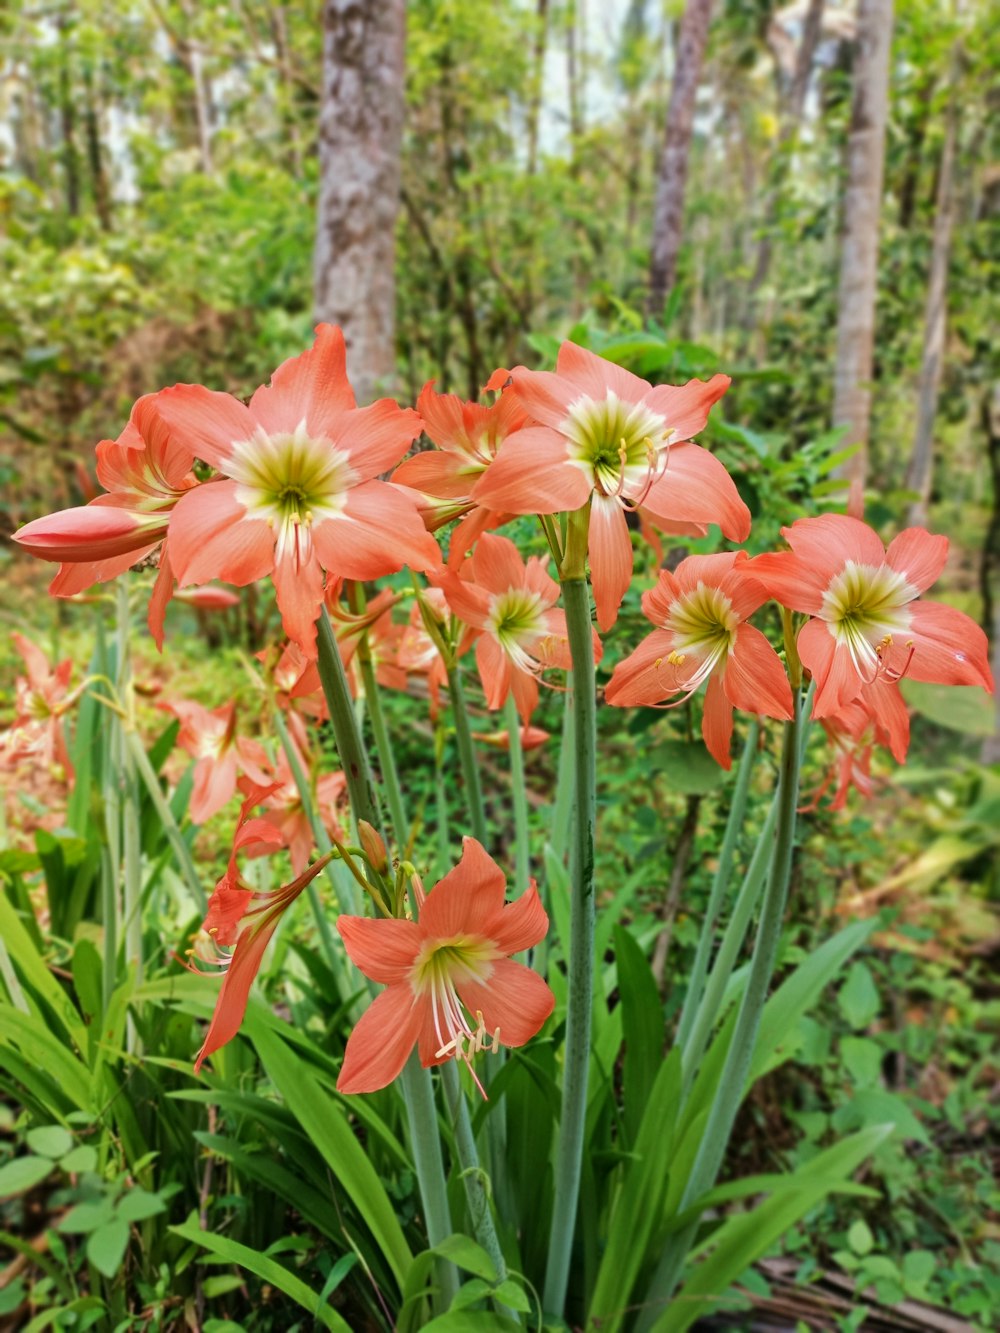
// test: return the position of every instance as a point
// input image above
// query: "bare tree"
(360, 131)
(668, 212)
(859, 244)
(918, 477)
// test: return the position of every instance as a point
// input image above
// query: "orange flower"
(285, 812)
(145, 472)
(867, 624)
(243, 920)
(467, 436)
(452, 988)
(700, 612)
(878, 716)
(606, 436)
(41, 698)
(210, 737)
(510, 604)
(297, 491)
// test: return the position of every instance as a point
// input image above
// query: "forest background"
(684, 190)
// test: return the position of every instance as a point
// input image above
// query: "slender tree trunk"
(287, 93)
(668, 213)
(95, 156)
(989, 568)
(812, 27)
(67, 120)
(190, 55)
(859, 244)
(537, 79)
(935, 321)
(360, 131)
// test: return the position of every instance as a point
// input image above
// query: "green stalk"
(323, 845)
(732, 1082)
(441, 800)
(720, 883)
(580, 954)
(559, 835)
(522, 847)
(383, 748)
(415, 1081)
(467, 755)
(476, 1193)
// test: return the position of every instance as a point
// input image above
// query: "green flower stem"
(415, 1081)
(732, 1082)
(720, 883)
(559, 834)
(441, 800)
(166, 816)
(343, 892)
(383, 747)
(467, 755)
(580, 952)
(522, 847)
(476, 1193)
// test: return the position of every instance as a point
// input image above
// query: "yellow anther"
(676, 658)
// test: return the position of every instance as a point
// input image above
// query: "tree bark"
(360, 132)
(989, 568)
(537, 78)
(668, 212)
(95, 154)
(935, 321)
(859, 244)
(67, 121)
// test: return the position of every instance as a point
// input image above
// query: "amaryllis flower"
(209, 735)
(878, 716)
(451, 986)
(867, 623)
(208, 598)
(467, 436)
(531, 738)
(145, 472)
(41, 699)
(607, 436)
(240, 922)
(284, 810)
(297, 492)
(511, 605)
(700, 611)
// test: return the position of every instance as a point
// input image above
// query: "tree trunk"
(859, 244)
(95, 155)
(918, 477)
(360, 131)
(67, 121)
(989, 568)
(668, 213)
(537, 80)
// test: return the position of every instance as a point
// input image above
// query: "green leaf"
(268, 1270)
(862, 1058)
(512, 1294)
(139, 1204)
(82, 1158)
(220, 1284)
(476, 1289)
(468, 1255)
(874, 1106)
(86, 1217)
(642, 1027)
(322, 1117)
(50, 1140)
(687, 767)
(860, 1237)
(36, 977)
(470, 1321)
(858, 998)
(23, 1174)
(106, 1246)
(963, 708)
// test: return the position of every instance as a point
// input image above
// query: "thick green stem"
(580, 954)
(476, 1193)
(383, 748)
(720, 883)
(467, 756)
(730, 1091)
(522, 847)
(344, 892)
(415, 1081)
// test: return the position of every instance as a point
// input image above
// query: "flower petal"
(375, 438)
(646, 676)
(696, 488)
(214, 786)
(513, 999)
(754, 678)
(837, 681)
(949, 648)
(495, 671)
(919, 556)
(532, 474)
(610, 550)
(594, 375)
(522, 923)
(204, 421)
(379, 531)
(383, 949)
(382, 1039)
(717, 722)
(312, 387)
(686, 406)
(298, 588)
(212, 537)
(468, 898)
(446, 476)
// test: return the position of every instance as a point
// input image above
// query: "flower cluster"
(292, 486)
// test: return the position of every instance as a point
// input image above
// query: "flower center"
(516, 620)
(703, 624)
(290, 479)
(619, 445)
(865, 605)
(439, 968)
